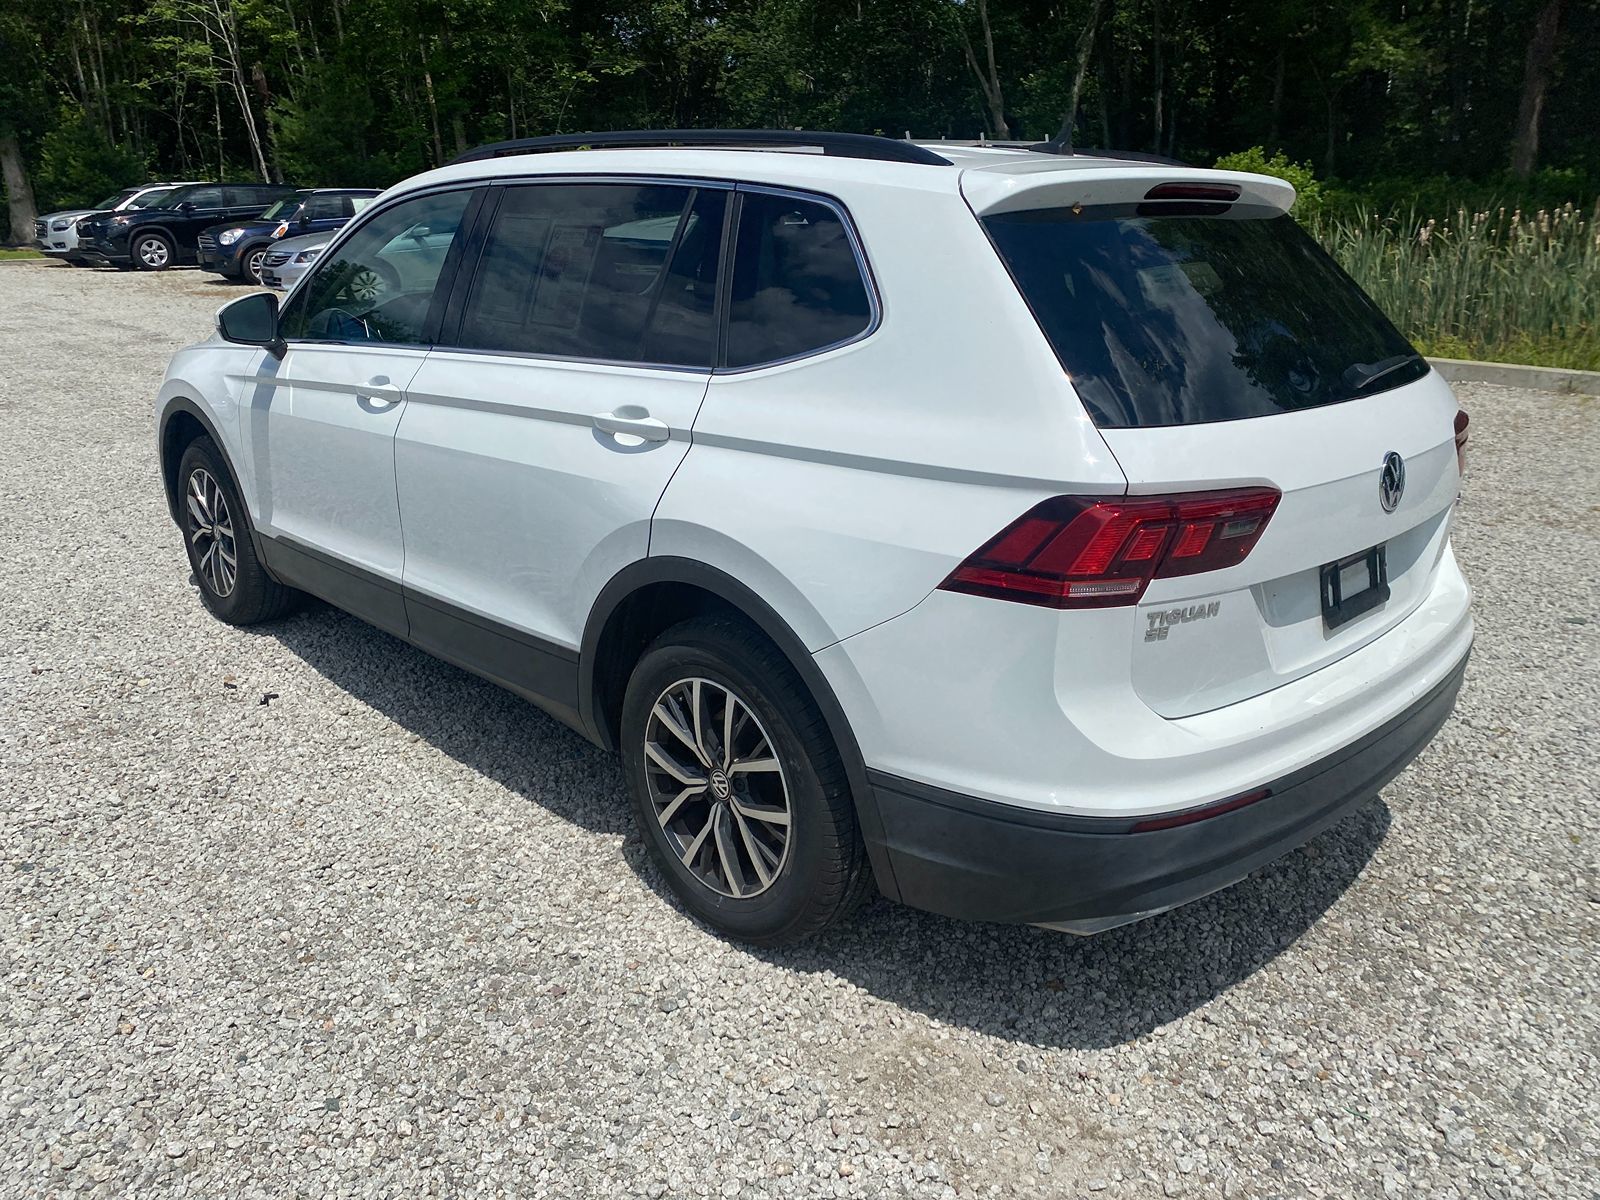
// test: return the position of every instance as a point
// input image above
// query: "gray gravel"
(390, 935)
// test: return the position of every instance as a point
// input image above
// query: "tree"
(987, 75)
(1538, 62)
(1080, 68)
(22, 105)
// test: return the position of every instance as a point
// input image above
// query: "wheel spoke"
(728, 710)
(754, 849)
(671, 721)
(671, 810)
(697, 712)
(749, 766)
(693, 848)
(757, 812)
(665, 761)
(727, 857)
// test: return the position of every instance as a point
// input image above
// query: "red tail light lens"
(1461, 440)
(1088, 552)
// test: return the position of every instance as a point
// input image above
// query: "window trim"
(443, 287)
(863, 267)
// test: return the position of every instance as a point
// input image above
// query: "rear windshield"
(1180, 320)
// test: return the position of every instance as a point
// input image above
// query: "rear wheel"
(737, 786)
(233, 584)
(152, 252)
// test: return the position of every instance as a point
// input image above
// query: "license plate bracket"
(1354, 586)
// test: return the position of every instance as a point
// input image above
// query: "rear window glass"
(1181, 320)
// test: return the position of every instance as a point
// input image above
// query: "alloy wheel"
(211, 534)
(252, 265)
(717, 788)
(153, 252)
(365, 284)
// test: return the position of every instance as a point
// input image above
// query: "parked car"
(165, 233)
(1045, 538)
(57, 232)
(234, 249)
(287, 259)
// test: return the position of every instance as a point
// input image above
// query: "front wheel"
(738, 787)
(250, 268)
(233, 584)
(152, 252)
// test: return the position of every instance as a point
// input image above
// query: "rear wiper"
(1361, 376)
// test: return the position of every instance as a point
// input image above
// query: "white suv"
(1040, 537)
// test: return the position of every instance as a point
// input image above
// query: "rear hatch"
(1216, 346)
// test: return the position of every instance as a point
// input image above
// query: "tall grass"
(1504, 286)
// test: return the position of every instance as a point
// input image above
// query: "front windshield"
(116, 198)
(173, 198)
(281, 209)
(149, 198)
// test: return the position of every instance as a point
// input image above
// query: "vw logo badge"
(1391, 481)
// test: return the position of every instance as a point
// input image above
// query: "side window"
(797, 286)
(354, 204)
(205, 197)
(325, 206)
(379, 286)
(622, 272)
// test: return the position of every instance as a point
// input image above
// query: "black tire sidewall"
(768, 916)
(139, 240)
(239, 605)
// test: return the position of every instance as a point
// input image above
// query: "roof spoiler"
(992, 192)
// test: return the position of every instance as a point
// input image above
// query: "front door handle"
(634, 421)
(378, 394)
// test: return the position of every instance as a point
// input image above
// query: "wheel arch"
(654, 593)
(182, 421)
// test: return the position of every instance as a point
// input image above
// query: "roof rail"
(840, 145)
(1056, 146)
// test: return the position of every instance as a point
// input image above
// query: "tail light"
(1091, 552)
(1461, 440)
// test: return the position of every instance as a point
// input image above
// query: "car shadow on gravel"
(1040, 987)
(481, 726)
(1027, 985)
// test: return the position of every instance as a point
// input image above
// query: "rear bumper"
(978, 860)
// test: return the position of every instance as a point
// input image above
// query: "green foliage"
(1309, 197)
(1506, 286)
(78, 166)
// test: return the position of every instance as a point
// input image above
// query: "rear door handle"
(632, 420)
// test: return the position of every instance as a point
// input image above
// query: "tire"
(813, 868)
(240, 593)
(250, 265)
(151, 252)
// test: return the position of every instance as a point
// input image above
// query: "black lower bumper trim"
(978, 860)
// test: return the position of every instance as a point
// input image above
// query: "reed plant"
(1503, 285)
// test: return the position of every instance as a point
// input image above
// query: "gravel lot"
(389, 933)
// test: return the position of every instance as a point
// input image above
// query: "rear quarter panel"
(844, 487)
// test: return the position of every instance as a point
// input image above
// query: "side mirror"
(186, 207)
(253, 321)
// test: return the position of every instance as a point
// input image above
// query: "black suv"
(155, 238)
(234, 249)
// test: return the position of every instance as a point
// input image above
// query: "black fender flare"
(671, 569)
(182, 404)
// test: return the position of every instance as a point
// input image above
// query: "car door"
(322, 419)
(203, 207)
(323, 211)
(542, 431)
